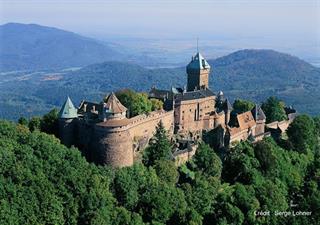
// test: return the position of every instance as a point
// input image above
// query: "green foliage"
(49, 122)
(156, 104)
(162, 202)
(274, 109)
(241, 105)
(246, 170)
(43, 182)
(201, 193)
(264, 153)
(159, 147)
(207, 161)
(131, 182)
(138, 103)
(302, 134)
(35, 123)
(166, 171)
(317, 125)
(186, 173)
(23, 121)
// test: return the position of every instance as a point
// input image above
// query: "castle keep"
(107, 136)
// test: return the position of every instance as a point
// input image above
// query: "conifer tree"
(159, 147)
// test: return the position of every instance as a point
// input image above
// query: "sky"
(295, 23)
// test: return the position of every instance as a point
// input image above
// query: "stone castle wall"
(116, 146)
(113, 147)
(204, 78)
(84, 138)
(182, 157)
(242, 135)
(197, 79)
(66, 131)
(260, 128)
(146, 125)
(190, 114)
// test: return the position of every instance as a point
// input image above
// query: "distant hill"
(250, 74)
(257, 74)
(33, 47)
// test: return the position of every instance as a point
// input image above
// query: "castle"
(106, 136)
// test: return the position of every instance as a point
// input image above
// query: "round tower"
(113, 146)
(66, 118)
(113, 143)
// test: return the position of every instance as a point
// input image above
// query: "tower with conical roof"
(68, 113)
(198, 73)
(113, 109)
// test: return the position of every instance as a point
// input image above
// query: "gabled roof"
(191, 95)
(198, 63)
(113, 104)
(246, 120)
(160, 94)
(258, 113)
(68, 111)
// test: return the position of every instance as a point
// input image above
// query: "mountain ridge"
(34, 47)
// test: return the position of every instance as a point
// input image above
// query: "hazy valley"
(38, 80)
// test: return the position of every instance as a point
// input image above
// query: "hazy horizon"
(289, 26)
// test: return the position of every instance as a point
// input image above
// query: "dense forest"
(44, 182)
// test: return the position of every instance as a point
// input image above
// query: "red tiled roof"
(246, 120)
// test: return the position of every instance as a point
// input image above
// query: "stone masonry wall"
(188, 116)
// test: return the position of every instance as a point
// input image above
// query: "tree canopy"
(274, 109)
(241, 105)
(44, 182)
(302, 133)
(159, 147)
(137, 103)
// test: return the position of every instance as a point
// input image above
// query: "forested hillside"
(246, 74)
(35, 47)
(257, 74)
(43, 182)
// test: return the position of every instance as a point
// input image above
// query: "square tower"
(198, 73)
